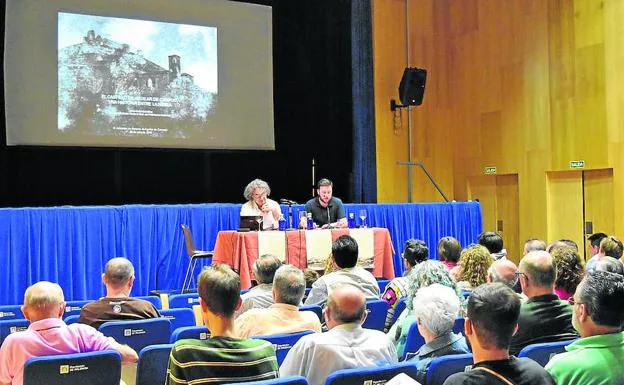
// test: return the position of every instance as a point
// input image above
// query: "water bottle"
(282, 223)
(310, 222)
(351, 220)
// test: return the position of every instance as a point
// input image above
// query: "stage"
(70, 245)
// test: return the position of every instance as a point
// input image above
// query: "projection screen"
(139, 73)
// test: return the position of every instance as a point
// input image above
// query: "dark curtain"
(364, 166)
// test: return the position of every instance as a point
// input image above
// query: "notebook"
(249, 222)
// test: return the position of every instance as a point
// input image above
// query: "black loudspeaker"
(412, 87)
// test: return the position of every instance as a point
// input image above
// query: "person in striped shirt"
(224, 358)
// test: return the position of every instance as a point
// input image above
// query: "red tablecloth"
(240, 250)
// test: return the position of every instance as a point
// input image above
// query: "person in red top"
(449, 251)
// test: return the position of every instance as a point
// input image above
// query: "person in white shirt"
(344, 258)
(258, 203)
(346, 345)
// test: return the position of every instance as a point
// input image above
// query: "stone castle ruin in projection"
(106, 89)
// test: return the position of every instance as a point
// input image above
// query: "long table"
(240, 250)
(70, 245)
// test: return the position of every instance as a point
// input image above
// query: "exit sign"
(490, 170)
(577, 164)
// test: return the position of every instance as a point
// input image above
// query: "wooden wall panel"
(523, 85)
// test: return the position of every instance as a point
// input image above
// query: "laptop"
(249, 222)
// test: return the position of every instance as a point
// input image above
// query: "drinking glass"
(259, 220)
(363, 217)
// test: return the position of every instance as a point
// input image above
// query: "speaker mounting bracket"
(394, 106)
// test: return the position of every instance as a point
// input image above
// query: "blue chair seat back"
(313, 308)
(179, 317)
(183, 300)
(289, 380)
(377, 311)
(371, 375)
(382, 284)
(11, 326)
(152, 365)
(93, 368)
(190, 332)
(139, 334)
(442, 367)
(74, 307)
(414, 340)
(154, 300)
(283, 343)
(542, 353)
(72, 319)
(9, 312)
(458, 327)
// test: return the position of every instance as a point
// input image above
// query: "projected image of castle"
(135, 77)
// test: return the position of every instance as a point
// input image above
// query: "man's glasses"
(519, 273)
(573, 302)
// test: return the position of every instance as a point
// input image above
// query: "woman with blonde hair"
(474, 262)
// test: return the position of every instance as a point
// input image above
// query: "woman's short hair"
(436, 307)
(425, 274)
(415, 252)
(254, 184)
(449, 249)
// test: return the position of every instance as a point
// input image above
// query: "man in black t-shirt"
(493, 311)
(326, 209)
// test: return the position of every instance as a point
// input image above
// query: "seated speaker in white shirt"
(258, 203)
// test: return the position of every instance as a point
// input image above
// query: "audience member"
(47, 334)
(596, 358)
(415, 251)
(493, 311)
(310, 277)
(473, 265)
(326, 209)
(569, 271)
(344, 258)
(494, 243)
(424, 274)
(611, 247)
(449, 250)
(594, 249)
(284, 315)
(562, 243)
(505, 272)
(224, 357)
(258, 204)
(543, 317)
(534, 244)
(118, 278)
(435, 308)
(346, 344)
(261, 295)
(611, 265)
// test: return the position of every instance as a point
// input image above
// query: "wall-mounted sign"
(577, 164)
(490, 170)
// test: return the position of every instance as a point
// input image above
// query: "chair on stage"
(74, 307)
(152, 365)
(442, 367)
(543, 352)
(8, 312)
(154, 300)
(95, 368)
(190, 332)
(288, 380)
(11, 326)
(138, 334)
(377, 311)
(187, 300)
(179, 317)
(316, 309)
(283, 342)
(193, 254)
(371, 375)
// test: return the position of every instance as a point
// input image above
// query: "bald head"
(534, 245)
(539, 268)
(347, 304)
(43, 300)
(118, 272)
(503, 271)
